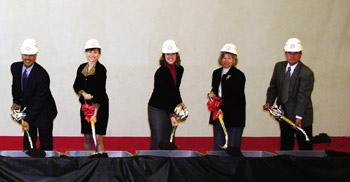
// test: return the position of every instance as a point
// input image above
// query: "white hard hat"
(92, 43)
(170, 46)
(230, 48)
(293, 45)
(30, 47)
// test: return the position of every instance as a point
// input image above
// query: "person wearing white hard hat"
(228, 83)
(31, 90)
(290, 87)
(166, 94)
(90, 87)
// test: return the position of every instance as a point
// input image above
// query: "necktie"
(285, 87)
(24, 78)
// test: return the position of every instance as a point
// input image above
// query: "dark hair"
(162, 61)
(90, 49)
(222, 54)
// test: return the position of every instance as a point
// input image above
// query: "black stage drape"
(195, 169)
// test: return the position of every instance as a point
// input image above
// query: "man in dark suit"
(31, 89)
(292, 83)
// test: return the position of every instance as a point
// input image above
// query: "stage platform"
(177, 166)
(200, 144)
(129, 160)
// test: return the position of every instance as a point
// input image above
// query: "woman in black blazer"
(166, 94)
(228, 84)
(90, 86)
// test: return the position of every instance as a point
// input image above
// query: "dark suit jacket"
(92, 84)
(41, 107)
(300, 89)
(96, 86)
(233, 98)
(166, 95)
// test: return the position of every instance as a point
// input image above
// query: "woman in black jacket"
(228, 84)
(90, 86)
(166, 94)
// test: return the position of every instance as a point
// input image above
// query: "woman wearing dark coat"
(228, 83)
(166, 95)
(90, 86)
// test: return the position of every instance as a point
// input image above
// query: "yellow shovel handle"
(225, 131)
(222, 124)
(294, 125)
(287, 120)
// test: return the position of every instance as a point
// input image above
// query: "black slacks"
(160, 125)
(45, 138)
(288, 134)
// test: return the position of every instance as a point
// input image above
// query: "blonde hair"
(222, 54)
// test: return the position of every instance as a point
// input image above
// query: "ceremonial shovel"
(88, 111)
(214, 105)
(93, 131)
(181, 114)
(278, 114)
(18, 116)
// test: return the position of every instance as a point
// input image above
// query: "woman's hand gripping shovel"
(181, 114)
(18, 116)
(214, 106)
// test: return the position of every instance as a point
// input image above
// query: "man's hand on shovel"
(25, 125)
